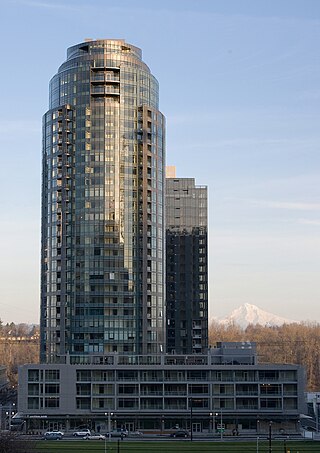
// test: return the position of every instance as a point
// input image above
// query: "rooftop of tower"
(102, 46)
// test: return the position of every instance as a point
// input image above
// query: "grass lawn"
(175, 447)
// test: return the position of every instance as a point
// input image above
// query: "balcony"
(151, 393)
(105, 90)
(249, 407)
(175, 392)
(247, 393)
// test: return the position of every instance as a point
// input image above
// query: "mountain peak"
(251, 314)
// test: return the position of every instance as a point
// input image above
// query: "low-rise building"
(224, 388)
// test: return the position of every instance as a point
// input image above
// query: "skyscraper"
(186, 265)
(102, 251)
(102, 273)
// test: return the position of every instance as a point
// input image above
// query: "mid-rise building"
(186, 265)
(102, 251)
(157, 393)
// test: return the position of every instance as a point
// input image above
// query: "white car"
(82, 433)
(95, 437)
(136, 433)
(118, 433)
(53, 435)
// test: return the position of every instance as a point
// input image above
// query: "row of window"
(184, 390)
(167, 403)
(194, 375)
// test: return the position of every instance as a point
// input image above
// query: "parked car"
(180, 433)
(136, 433)
(95, 437)
(53, 435)
(82, 433)
(118, 433)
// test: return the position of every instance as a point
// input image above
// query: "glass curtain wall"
(102, 282)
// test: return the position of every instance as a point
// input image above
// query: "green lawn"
(175, 447)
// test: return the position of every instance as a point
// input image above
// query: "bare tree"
(12, 443)
(297, 343)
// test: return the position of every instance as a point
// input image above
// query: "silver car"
(95, 437)
(118, 433)
(53, 435)
(82, 433)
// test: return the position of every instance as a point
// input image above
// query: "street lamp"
(212, 414)
(221, 430)
(270, 437)
(108, 414)
(191, 420)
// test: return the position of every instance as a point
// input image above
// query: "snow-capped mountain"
(250, 314)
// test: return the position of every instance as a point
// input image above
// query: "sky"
(240, 88)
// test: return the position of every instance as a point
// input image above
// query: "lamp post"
(221, 429)
(191, 420)
(108, 414)
(8, 414)
(270, 437)
(212, 414)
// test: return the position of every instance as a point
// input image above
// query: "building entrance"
(129, 426)
(196, 427)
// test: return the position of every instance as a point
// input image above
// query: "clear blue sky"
(240, 87)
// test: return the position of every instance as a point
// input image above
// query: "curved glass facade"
(102, 275)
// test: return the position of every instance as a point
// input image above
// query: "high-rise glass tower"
(186, 265)
(102, 252)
